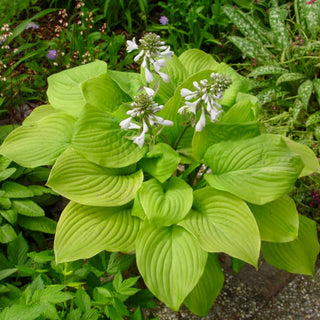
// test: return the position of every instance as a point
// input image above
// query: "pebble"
(298, 300)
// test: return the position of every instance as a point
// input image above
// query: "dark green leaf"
(27, 208)
(7, 233)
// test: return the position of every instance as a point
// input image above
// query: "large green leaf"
(298, 256)
(310, 161)
(129, 82)
(103, 93)
(39, 143)
(165, 204)
(64, 88)
(170, 261)
(160, 162)
(222, 131)
(177, 74)
(100, 139)
(82, 181)
(201, 298)
(39, 113)
(84, 231)
(224, 223)
(277, 220)
(258, 170)
(195, 60)
(242, 111)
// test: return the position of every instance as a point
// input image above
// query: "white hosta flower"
(131, 45)
(139, 140)
(202, 121)
(207, 95)
(152, 52)
(143, 112)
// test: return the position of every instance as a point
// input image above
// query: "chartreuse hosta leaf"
(170, 261)
(39, 143)
(100, 139)
(177, 74)
(297, 256)
(64, 88)
(242, 111)
(103, 93)
(201, 298)
(278, 220)
(310, 161)
(160, 162)
(167, 203)
(84, 231)
(222, 131)
(195, 60)
(258, 170)
(39, 113)
(223, 223)
(129, 82)
(85, 182)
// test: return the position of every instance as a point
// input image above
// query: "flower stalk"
(152, 55)
(205, 99)
(143, 112)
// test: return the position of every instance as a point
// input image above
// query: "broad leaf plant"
(171, 165)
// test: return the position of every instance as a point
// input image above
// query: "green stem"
(175, 146)
(299, 58)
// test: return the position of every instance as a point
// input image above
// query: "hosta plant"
(170, 165)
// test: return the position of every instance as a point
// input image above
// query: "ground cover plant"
(285, 64)
(92, 289)
(170, 164)
(282, 57)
